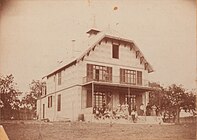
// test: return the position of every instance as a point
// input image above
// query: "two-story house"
(112, 70)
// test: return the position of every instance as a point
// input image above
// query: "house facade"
(111, 71)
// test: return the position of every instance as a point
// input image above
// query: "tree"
(177, 98)
(8, 96)
(172, 100)
(31, 97)
(156, 95)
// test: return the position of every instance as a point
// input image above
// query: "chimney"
(92, 32)
(73, 48)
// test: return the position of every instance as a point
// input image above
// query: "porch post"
(129, 102)
(145, 106)
(40, 109)
(128, 94)
(92, 100)
(146, 101)
(93, 94)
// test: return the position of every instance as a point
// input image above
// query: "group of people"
(125, 111)
(120, 112)
(152, 110)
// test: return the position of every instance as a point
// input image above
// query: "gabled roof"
(90, 44)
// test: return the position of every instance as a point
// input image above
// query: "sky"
(36, 34)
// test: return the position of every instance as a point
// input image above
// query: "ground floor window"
(103, 100)
(99, 99)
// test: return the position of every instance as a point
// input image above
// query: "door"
(130, 99)
(43, 113)
(133, 102)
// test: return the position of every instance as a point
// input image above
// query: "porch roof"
(112, 85)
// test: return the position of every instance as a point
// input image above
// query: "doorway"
(43, 113)
(130, 99)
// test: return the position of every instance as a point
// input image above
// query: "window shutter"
(139, 77)
(89, 72)
(59, 103)
(48, 102)
(121, 75)
(109, 72)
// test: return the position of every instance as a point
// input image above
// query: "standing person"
(158, 111)
(129, 109)
(148, 109)
(133, 115)
(153, 110)
(142, 109)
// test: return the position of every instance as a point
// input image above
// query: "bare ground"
(33, 130)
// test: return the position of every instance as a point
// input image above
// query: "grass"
(32, 130)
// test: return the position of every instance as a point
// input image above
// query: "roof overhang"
(93, 45)
(62, 68)
(114, 85)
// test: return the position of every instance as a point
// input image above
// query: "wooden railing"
(116, 80)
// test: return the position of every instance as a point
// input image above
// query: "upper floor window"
(49, 101)
(115, 51)
(99, 73)
(130, 77)
(44, 90)
(59, 78)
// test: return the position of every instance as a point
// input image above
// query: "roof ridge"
(91, 42)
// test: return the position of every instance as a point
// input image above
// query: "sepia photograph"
(98, 69)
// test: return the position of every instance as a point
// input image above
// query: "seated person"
(96, 114)
(107, 113)
(126, 114)
(100, 110)
(94, 110)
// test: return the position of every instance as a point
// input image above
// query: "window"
(128, 76)
(99, 99)
(59, 78)
(44, 90)
(139, 78)
(54, 78)
(99, 73)
(49, 101)
(115, 51)
(89, 98)
(59, 102)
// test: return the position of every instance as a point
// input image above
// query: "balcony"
(116, 80)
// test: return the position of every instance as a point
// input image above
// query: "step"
(150, 119)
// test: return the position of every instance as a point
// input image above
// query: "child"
(133, 115)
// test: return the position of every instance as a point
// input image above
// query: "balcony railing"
(117, 80)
